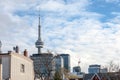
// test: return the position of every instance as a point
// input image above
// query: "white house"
(15, 66)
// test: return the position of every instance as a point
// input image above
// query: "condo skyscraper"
(66, 60)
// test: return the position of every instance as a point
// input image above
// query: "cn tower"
(39, 43)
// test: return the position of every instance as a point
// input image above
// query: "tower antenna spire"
(39, 27)
(79, 62)
(39, 43)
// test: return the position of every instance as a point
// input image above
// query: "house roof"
(95, 76)
(16, 55)
(99, 75)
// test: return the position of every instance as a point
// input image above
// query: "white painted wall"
(16, 74)
(11, 65)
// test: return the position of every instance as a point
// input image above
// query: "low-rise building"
(15, 66)
(97, 76)
(94, 68)
(77, 69)
(104, 70)
(102, 76)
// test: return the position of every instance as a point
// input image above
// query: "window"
(22, 68)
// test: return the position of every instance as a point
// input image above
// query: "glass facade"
(66, 60)
(94, 69)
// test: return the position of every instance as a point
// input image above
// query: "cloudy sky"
(88, 30)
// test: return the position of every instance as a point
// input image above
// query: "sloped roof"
(95, 76)
(100, 76)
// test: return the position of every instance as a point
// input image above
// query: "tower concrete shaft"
(39, 30)
(39, 43)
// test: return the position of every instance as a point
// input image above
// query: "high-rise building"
(14, 66)
(59, 64)
(66, 60)
(43, 64)
(94, 68)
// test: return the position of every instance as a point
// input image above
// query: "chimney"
(17, 49)
(14, 48)
(9, 52)
(26, 53)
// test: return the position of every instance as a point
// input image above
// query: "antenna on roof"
(79, 62)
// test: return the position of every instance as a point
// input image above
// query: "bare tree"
(49, 66)
(113, 67)
(43, 66)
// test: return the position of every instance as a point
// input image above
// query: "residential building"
(66, 60)
(94, 68)
(15, 66)
(102, 76)
(59, 64)
(103, 70)
(77, 72)
(77, 69)
(74, 77)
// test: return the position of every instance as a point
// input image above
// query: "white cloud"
(111, 1)
(67, 27)
(52, 6)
